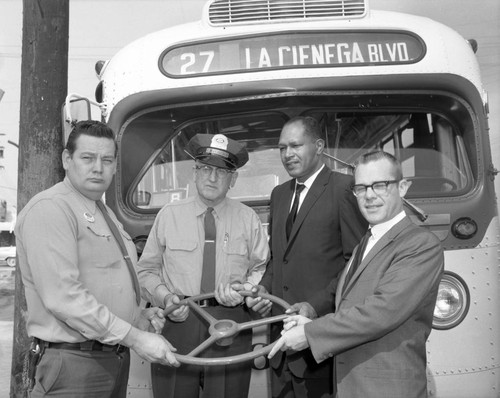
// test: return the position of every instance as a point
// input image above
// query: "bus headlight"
(464, 228)
(452, 302)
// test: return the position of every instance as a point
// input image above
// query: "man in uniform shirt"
(174, 264)
(83, 312)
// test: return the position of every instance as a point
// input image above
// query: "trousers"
(192, 381)
(82, 374)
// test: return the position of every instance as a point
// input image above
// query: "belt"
(209, 302)
(89, 345)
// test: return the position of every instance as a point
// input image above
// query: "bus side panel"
(464, 361)
(139, 383)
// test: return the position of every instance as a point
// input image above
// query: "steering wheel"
(223, 331)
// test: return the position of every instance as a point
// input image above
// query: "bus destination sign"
(292, 50)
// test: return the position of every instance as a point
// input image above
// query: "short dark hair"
(310, 124)
(92, 128)
(378, 155)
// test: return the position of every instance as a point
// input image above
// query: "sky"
(99, 28)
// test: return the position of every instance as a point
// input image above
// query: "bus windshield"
(429, 146)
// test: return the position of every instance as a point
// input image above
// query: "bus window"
(428, 146)
(168, 174)
(430, 150)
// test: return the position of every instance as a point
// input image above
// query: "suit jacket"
(327, 228)
(383, 317)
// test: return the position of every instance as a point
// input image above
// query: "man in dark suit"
(326, 229)
(384, 299)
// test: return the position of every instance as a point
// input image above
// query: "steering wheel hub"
(224, 330)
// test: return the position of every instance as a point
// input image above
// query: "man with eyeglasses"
(206, 243)
(384, 299)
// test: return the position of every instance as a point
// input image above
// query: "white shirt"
(380, 230)
(307, 184)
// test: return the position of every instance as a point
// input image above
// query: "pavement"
(6, 327)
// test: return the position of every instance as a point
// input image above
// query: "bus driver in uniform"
(196, 245)
(82, 300)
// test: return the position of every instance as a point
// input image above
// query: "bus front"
(373, 79)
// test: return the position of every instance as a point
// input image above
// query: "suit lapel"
(381, 244)
(316, 190)
(340, 284)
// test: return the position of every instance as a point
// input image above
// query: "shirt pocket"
(236, 255)
(102, 251)
(182, 256)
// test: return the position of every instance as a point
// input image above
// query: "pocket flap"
(186, 245)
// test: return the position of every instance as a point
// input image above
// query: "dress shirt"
(307, 185)
(77, 284)
(172, 258)
(380, 230)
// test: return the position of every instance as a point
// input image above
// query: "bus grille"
(228, 12)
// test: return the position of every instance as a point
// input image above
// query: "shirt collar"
(380, 230)
(308, 183)
(201, 207)
(90, 204)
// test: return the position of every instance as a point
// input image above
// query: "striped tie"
(358, 257)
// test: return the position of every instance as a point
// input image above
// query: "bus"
(373, 79)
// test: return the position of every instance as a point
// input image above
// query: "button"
(330, 355)
(285, 261)
(285, 288)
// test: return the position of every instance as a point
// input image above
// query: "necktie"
(119, 240)
(293, 212)
(208, 272)
(358, 257)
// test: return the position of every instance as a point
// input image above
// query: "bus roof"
(138, 67)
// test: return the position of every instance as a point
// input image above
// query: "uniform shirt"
(173, 256)
(77, 284)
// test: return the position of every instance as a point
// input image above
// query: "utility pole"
(44, 75)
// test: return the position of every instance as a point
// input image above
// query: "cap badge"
(219, 141)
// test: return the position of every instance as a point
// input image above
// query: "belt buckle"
(109, 348)
(87, 345)
(204, 303)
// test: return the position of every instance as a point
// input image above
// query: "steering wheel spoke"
(203, 346)
(194, 306)
(261, 322)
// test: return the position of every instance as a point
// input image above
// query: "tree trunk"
(44, 75)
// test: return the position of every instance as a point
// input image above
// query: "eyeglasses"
(379, 187)
(206, 171)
